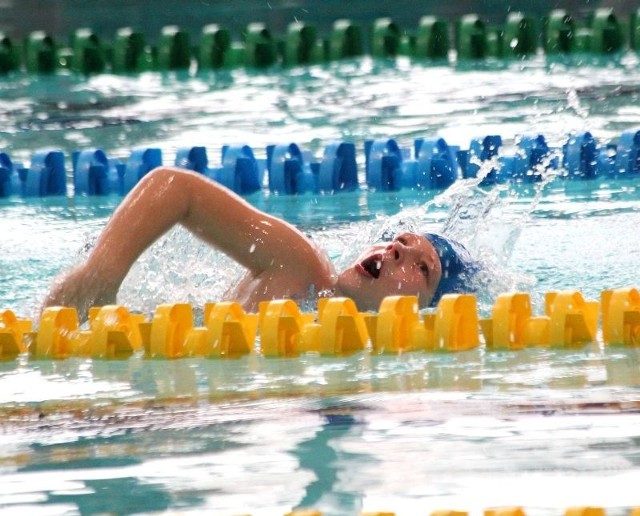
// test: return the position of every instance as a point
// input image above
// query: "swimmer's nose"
(396, 250)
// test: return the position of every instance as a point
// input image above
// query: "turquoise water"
(545, 429)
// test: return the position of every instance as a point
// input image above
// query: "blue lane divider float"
(531, 158)
(383, 164)
(627, 156)
(480, 151)
(193, 158)
(8, 178)
(581, 156)
(140, 163)
(240, 171)
(338, 169)
(95, 174)
(288, 170)
(527, 165)
(431, 164)
(46, 176)
(435, 166)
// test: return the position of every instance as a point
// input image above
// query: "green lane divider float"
(302, 45)
(174, 49)
(347, 40)
(215, 48)
(130, 52)
(87, 55)
(432, 39)
(9, 55)
(600, 33)
(634, 30)
(40, 53)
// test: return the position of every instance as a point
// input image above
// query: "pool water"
(544, 429)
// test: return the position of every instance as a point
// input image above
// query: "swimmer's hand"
(80, 289)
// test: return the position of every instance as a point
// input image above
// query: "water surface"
(545, 429)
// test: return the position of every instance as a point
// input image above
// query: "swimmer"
(281, 261)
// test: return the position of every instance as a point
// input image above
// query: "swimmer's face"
(409, 265)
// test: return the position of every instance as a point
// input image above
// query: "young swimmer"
(281, 262)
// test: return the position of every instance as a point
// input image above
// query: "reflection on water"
(540, 448)
(68, 383)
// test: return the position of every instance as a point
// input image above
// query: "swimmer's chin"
(352, 284)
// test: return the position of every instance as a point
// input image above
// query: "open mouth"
(372, 265)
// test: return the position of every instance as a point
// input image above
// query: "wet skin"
(409, 265)
(281, 262)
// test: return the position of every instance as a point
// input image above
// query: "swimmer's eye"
(402, 240)
(424, 269)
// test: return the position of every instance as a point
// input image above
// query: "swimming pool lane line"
(431, 164)
(468, 38)
(280, 329)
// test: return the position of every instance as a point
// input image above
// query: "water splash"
(573, 102)
(489, 221)
(178, 268)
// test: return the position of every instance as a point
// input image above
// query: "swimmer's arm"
(258, 241)
(168, 196)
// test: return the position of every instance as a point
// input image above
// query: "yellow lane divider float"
(280, 329)
(497, 511)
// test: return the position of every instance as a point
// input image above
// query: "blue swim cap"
(458, 267)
